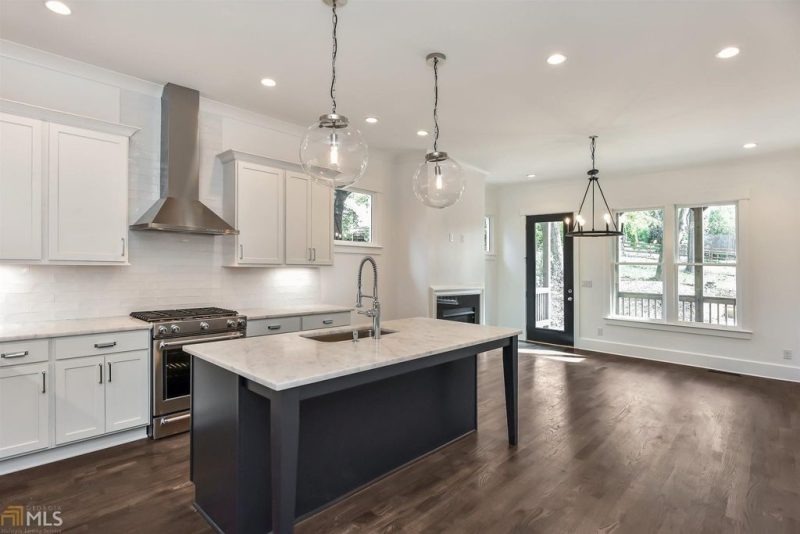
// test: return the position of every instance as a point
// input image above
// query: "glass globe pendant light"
(576, 228)
(332, 152)
(438, 182)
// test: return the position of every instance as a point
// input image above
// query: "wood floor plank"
(607, 444)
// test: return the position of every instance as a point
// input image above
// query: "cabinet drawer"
(16, 352)
(328, 320)
(92, 344)
(278, 325)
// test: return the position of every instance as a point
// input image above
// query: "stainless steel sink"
(363, 333)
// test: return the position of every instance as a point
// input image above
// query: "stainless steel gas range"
(172, 367)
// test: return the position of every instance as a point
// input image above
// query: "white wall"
(423, 254)
(770, 252)
(490, 277)
(166, 269)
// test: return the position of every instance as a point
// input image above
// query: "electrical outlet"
(787, 354)
(600, 331)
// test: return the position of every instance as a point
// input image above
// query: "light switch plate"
(586, 283)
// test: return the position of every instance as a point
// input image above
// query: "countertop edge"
(73, 330)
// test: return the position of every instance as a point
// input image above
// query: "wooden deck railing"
(542, 307)
(715, 310)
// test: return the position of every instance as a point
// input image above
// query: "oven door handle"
(180, 343)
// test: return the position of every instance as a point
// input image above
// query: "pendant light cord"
(593, 138)
(436, 104)
(335, 18)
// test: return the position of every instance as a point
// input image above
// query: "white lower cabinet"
(100, 394)
(80, 398)
(126, 390)
(24, 409)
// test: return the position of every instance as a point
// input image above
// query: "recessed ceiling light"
(749, 145)
(422, 133)
(556, 59)
(531, 175)
(371, 120)
(58, 7)
(268, 82)
(728, 52)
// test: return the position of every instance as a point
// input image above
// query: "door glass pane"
(177, 373)
(550, 275)
(716, 303)
(717, 240)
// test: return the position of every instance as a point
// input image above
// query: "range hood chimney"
(179, 208)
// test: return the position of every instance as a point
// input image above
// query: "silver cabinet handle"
(11, 355)
(309, 254)
(105, 345)
(314, 252)
(168, 420)
(327, 321)
(100, 365)
(44, 382)
(241, 251)
(123, 246)
(109, 372)
(274, 327)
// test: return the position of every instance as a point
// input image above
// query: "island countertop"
(290, 360)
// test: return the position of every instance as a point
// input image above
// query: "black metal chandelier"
(576, 228)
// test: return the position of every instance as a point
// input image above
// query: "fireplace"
(454, 303)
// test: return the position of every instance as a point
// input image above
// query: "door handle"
(100, 365)
(44, 382)
(241, 251)
(314, 258)
(109, 372)
(123, 246)
(569, 299)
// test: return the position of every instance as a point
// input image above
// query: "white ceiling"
(642, 74)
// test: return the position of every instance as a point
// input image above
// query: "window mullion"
(669, 269)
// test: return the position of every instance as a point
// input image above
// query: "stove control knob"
(175, 329)
(241, 323)
(162, 330)
(231, 323)
(203, 325)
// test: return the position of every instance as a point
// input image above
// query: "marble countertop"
(293, 311)
(290, 360)
(69, 327)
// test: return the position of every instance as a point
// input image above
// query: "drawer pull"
(11, 355)
(105, 345)
(274, 327)
(327, 321)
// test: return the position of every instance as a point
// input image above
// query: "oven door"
(172, 372)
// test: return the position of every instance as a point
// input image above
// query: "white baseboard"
(55, 454)
(694, 359)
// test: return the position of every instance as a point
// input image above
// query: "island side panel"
(351, 437)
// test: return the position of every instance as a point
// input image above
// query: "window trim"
(490, 219)
(670, 265)
(374, 242)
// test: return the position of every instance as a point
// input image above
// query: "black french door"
(550, 295)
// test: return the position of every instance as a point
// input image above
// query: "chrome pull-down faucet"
(375, 311)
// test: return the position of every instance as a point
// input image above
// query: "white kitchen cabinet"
(126, 390)
(24, 409)
(309, 221)
(253, 199)
(20, 188)
(80, 398)
(88, 195)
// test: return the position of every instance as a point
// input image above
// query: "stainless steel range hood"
(178, 209)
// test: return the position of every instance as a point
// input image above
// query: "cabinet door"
(259, 214)
(88, 178)
(24, 409)
(80, 398)
(20, 188)
(298, 229)
(126, 390)
(321, 224)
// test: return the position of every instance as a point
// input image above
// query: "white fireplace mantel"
(443, 290)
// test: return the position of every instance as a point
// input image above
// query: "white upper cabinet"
(298, 219)
(321, 224)
(24, 409)
(20, 188)
(253, 199)
(88, 195)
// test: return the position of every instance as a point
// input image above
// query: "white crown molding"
(63, 117)
(73, 67)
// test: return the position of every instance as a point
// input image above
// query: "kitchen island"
(285, 425)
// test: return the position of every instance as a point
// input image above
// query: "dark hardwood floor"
(607, 444)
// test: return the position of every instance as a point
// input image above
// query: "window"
(352, 216)
(488, 238)
(694, 280)
(639, 265)
(706, 264)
